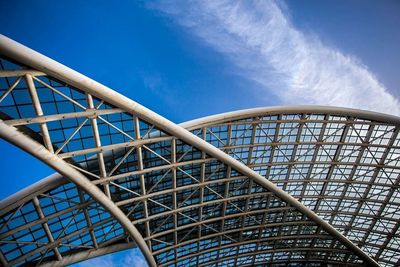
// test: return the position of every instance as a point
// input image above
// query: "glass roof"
(189, 207)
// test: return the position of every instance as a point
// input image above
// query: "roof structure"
(281, 186)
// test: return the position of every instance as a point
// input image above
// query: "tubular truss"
(278, 186)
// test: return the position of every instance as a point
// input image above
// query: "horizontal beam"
(152, 169)
(290, 262)
(45, 219)
(22, 72)
(134, 143)
(89, 113)
(311, 143)
(297, 249)
(180, 188)
(270, 225)
(230, 216)
(301, 262)
(49, 245)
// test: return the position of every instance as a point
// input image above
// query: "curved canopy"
(265, 186)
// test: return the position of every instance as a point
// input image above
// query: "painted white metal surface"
(37, 61)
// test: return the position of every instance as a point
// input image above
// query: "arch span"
(183, 192)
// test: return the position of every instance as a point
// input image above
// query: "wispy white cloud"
(128, 258)
(259, 38)
(134, 258)
(105, 261)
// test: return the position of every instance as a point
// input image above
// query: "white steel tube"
(27, 56)
(22, 141)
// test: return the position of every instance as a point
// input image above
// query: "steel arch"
(145, 146)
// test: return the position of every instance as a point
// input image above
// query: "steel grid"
(338, 188)
(192, 204)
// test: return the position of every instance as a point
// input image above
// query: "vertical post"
(174, 202)
(87, 218)
(46, 227)
(202, 176)
(39, 112)
(142, 181)
(96, 135)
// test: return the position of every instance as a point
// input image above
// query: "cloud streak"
(106, 261)
(260, 40)
(128, 258)
(134, 259)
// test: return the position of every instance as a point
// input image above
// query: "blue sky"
(185, 59)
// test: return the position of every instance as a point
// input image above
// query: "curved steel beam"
(216, 219)
(33, 59)
(56, 179)
(27, 193)
(22, 141)
(301, 262)
(275, 110)
(254, 227)
(252, 253)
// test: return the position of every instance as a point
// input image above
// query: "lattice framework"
(190, 204)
